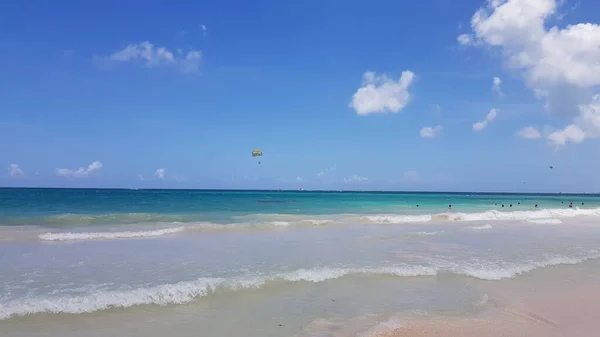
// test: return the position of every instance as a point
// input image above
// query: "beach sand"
(527, 309)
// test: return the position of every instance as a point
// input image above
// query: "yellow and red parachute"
(257, 153)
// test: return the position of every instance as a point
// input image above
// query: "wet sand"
(565, 307)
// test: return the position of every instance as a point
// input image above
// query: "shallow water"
(145, 278)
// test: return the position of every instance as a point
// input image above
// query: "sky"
(434, 95)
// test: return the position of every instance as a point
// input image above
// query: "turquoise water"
(105, 206)
(79, 262)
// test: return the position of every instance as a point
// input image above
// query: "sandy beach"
(562, 307)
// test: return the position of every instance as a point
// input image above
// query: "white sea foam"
(382, 327)
(481, 228)
(70, 236)
(320, 222)
(383, 219)
(491, 215)
(186, 291)
(545, 221)
(280, 223)
(426, 233)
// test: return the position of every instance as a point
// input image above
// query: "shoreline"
(545, 303)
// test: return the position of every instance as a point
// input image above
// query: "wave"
(187, 291)
(481, 228)
(180, 227)
(382, 219)
(491, 215)
(275, 221)
(426, 233)
(69, 236)
(545, 221)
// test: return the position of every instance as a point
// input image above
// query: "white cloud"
(572, 133)
(585, 126)
(14, 171)
(153, 56)
(325, 171)
(380, 94)
(80, 172)
(140, 176)
(203, 28)
(299, 179)
(529, 132)
(429, 131)
(496, 82)
(160, 173)
(480, 125)
(465, 39)
(559, 64)
(355, 178)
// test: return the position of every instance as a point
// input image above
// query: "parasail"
(257, 153)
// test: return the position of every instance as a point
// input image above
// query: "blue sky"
(105, 94)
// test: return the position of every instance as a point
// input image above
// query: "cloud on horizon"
(80, 172)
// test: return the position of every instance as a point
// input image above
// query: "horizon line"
(297, 190)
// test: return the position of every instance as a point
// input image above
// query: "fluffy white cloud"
(559, 64)
(153, 56)
(429, 131)
(380, 94)
(496, 82)
(480, 125)
(585, 126)
(160, 173)
(355, 178)
(572, 133)
(80, 172)
(529, 133)
(14, 171)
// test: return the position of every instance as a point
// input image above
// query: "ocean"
(274, 263)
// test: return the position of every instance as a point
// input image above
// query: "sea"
(117, 262)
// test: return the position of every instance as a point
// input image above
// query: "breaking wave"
(69, 236)
(187, 291)
(481, 228)
(491, 215)
(546, 221)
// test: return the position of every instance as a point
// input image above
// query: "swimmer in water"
(510, 205)
(536, 206)
(449, 206)
(502, 205)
